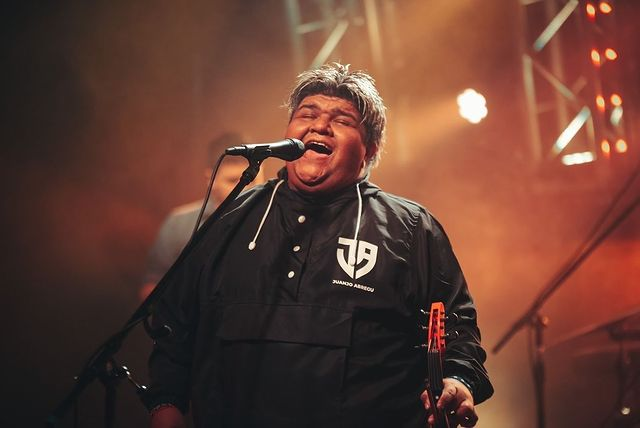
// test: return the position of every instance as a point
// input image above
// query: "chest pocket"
(282, 364)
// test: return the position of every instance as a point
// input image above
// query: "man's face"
(331, 131)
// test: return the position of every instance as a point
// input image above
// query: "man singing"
(301, 306)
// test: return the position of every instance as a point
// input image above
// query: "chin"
(306, 185)
(310, 176)
(309, 185)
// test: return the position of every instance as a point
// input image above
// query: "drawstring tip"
(252, 245)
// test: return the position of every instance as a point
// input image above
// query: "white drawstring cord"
(352, 258)
(252, 244)
(355, 237)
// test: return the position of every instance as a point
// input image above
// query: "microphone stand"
(101, 364)
(537, 323)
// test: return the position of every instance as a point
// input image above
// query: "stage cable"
(596, 227)
(207, 195)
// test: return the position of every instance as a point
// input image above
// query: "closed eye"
(345, 122)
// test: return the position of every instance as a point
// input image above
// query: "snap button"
(296, 248)
(302, 219)
(291, 274)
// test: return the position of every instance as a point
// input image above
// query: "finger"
(425, 400)
(466, 414)
(447, 400)
(431, 420)
(467, 422)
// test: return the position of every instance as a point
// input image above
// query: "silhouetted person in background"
(177, 227)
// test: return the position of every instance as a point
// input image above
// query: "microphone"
(288, 149)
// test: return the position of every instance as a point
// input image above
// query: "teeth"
(319, 147)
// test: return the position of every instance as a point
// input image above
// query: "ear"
(370, 152)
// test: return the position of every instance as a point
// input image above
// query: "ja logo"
(366, 252)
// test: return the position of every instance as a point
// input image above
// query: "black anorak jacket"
(292, 311)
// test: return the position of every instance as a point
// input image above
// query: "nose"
(321, 125)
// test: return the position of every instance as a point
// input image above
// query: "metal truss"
(567, 80)
(321, 27)
(567, 98)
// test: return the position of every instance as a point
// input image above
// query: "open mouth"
(319, 148)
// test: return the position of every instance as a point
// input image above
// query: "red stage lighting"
(616, 99)
(621, 146)
(605, 7)
(610, 54)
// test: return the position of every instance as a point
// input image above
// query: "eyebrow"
(335, 110)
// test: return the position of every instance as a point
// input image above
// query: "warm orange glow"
(595, 57)
(600, 102)
(610, 54)
(605, 7)
(605, 147)
(621, 146)
(616, 99)
(591, 11)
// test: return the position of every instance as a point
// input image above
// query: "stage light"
(605, 7)
(591, 11)
(621, 146)
(571, 130)
(578, 158)
(595, 57)
(472, 105)
(616, 115)
(605, 147)
(610, 54)
(616, 99)
(600, 102)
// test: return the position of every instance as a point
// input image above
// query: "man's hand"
(167, 417)
(455, 398)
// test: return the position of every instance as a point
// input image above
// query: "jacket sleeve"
(174, 316)
(177, 310)
(440, 271)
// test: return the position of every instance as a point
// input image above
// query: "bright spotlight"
(611, 54)
(605, 7)
(472, 105)
(595, 57)
(578, 158)
(621, 146)
(616, 99)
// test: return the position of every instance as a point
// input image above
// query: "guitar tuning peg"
(423, 327)
(452, 317)
(452, 335)
(422, 346)
(423, 312)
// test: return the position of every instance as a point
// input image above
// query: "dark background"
(108, 106)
